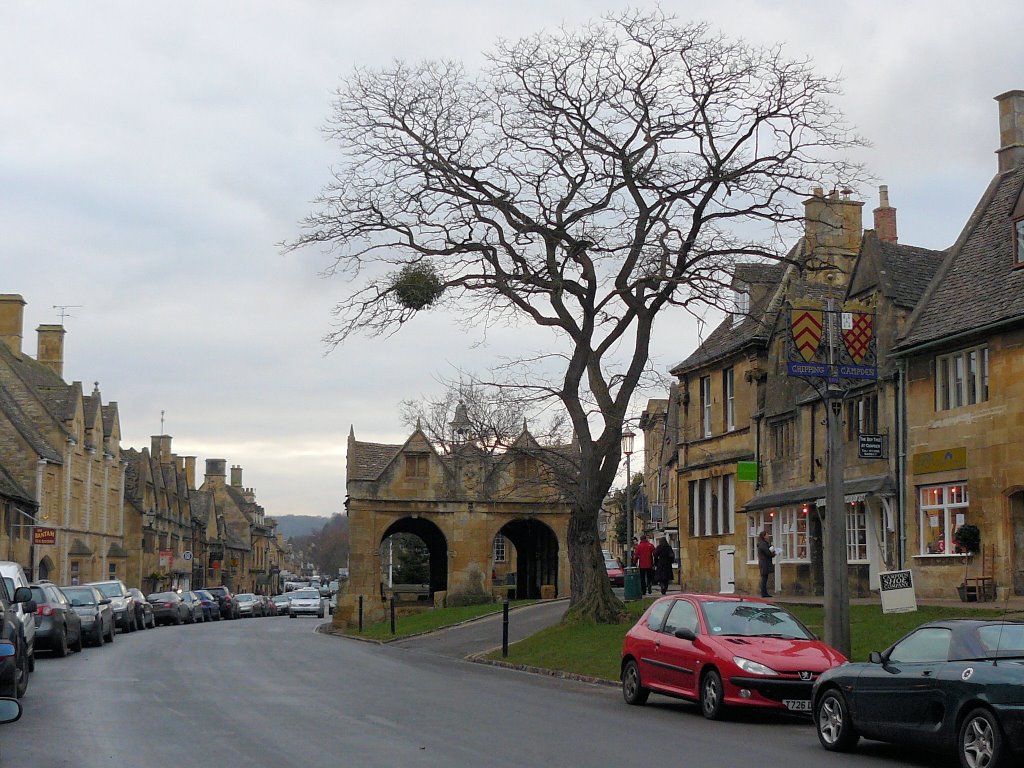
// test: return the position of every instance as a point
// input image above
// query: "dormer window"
(1018, 243)
(740, 303)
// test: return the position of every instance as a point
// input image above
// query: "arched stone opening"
(46, 569)
(434, 541)
(536, 551)
(1016, 501)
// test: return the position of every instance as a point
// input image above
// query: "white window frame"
(856, 532)
(1018, 243)
(729, 394)
(961, 378)
(945, 501)
(499, 548)
(712, 506)
(741, 304)
(705, 406)
(792, 536)
(761, 519)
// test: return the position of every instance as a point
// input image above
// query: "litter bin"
(631, 584)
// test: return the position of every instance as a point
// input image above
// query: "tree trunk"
(592, 599)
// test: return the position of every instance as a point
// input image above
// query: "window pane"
(943, 380)
(972, 377)
(984, 374)
(958, 380)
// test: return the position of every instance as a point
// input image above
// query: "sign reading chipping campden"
(871, 447)
(897, 591)
(815, 350)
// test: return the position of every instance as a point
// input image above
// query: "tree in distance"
(583, 181)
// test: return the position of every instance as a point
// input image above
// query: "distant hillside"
(299, 525)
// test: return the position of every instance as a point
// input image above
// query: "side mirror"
(105, 601)
(10, 710)
(22, 595)
(29, 607)
(686, 634)
(875, 658)
(7, 649)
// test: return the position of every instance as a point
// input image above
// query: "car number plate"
(797, 705)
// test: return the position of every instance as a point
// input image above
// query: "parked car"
(249, 605)
(281, 601)
(307, 601)
(954, 685)
(211, 608)
(144, 618)
(10, 707)
(194, 606)
(14, 577)
(58, 627)
(121, 602)
(616, 575)
(168, 607)
(14, 669)
(228, 604)
(723, 651)
(95, 611)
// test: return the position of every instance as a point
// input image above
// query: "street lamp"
(627, 448)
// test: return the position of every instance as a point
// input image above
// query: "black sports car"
(956, 684)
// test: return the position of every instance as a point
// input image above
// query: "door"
(1017, 516)
(726, 569)
(677, 657)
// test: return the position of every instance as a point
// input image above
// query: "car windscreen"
(246, 597)
(752, 620)
(305, 594)
(38, 595)
(109, 590)
(80, 596)
(204, 595)
(163, 597)
(280, 599)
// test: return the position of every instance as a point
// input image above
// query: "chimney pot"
(236, 476)
(885, 217)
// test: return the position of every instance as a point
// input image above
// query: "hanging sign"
(45, 537)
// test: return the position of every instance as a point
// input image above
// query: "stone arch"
(536, 555)
(46, 569)
(437, 545)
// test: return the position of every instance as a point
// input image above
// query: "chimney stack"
(161, 448)
(236, 476)
(885, 217)
(190, 472)
(1011, 130)
(12, 314)
(215, 472)
(50, 347)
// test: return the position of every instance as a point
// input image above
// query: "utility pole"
(837, 587)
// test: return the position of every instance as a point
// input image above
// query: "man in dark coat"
(663, 559)
(765, 557)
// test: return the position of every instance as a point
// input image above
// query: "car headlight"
(752, 667)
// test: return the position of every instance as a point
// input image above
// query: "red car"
(615, 573)
(723, 651)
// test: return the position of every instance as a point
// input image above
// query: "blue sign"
(807, 369)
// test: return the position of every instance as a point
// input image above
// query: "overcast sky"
(152, 155)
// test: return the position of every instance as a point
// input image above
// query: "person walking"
(765, 558)
(643, 558)
(663, 559)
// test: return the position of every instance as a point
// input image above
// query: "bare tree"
(583, 181)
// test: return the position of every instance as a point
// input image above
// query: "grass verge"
(594, 650)
(430, 620)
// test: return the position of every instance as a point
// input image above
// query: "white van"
(14, 577)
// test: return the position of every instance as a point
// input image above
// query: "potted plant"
(967, 541)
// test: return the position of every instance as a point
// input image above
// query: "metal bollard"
(504, 629)
(392, 614)
(360, 613)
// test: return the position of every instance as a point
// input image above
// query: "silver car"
(306, 601)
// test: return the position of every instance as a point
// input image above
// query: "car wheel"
(76, 646)
(632, 690)
(32, 659)
(14, 681)
(97, 638)
(832, 719)
(21, 673)
(711, 695)
(981, 743)
(177, 619)
(292, 615)
(60, 644)
(320, 615)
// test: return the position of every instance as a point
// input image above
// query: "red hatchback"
(723, 651)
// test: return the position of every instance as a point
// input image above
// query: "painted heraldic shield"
(857, 336)
(806, 324)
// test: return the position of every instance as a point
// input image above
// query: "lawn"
(429, 620)
(594, 650)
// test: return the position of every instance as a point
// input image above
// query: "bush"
(968, 538)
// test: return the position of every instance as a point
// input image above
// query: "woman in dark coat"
(663, 559)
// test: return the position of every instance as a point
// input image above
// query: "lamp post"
(627, 448)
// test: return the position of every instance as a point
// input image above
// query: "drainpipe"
(757, 450)
(900, 402)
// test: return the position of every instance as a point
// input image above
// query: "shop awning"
(853, 490)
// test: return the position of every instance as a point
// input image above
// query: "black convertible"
(956, 684)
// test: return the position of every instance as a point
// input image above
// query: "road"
(272, 692)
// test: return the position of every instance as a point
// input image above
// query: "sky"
(153, 156)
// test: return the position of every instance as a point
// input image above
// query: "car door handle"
(927, 673)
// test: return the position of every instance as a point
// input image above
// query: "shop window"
(758, 522)
(944, 508)
(792, 539)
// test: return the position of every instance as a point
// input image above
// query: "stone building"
(458, 504)
(962, 367)
(61, 448)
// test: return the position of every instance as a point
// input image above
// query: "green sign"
(746, 471)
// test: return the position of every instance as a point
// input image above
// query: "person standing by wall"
(663, 559)
(643, 558)
(765, 558)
